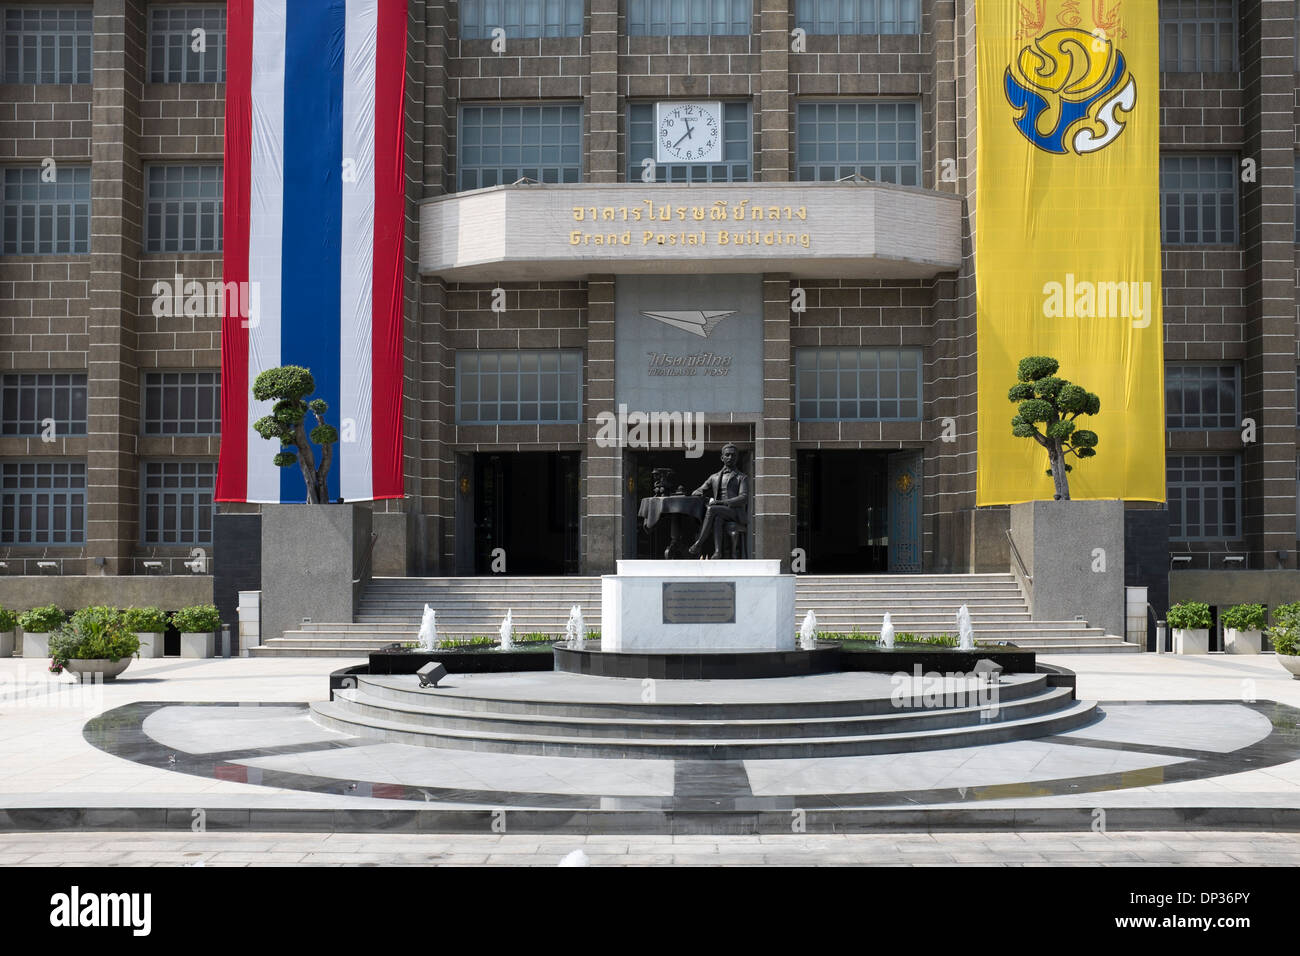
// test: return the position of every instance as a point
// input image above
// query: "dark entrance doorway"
(526, 503)
(858, 512)
(690, 473)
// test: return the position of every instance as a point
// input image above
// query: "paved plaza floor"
(227, 746)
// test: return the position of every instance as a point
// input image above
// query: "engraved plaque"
(706, 602)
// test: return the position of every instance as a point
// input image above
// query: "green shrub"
(1189, 616)
(1285, 632)
(1244, 617)
(8, 620)
(93, 633)
(41, 620)
(144, 620)
(200, 619)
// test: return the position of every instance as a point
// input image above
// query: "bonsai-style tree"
(289, 387)
(1053, 403)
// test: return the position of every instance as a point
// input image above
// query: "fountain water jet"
(887, 632)
(428, 630)
(808, 632)
(575, 631)
(965, 630)
(508, 632)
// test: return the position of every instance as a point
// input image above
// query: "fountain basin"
(693, 664)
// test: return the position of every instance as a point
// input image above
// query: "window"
(1198, 200)
(1198, 36)
(42, 502)
(30, 400)
(182, 209)
(688, 18)
(879, 141)
(858, 16)
(503, 144)
(177, 502)
(520, 18)
(47, 45)
(187, 45)
(44, 216)
(857, 384)
(182, 403)
(1202, 396)
(737, 148)
(533, 387)
(1204, 497)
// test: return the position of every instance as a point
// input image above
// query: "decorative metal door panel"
(905, 511)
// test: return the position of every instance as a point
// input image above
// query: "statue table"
(675, 507)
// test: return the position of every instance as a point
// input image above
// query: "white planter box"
(6, 644)
(1242, 642)
(151, 644)
(36, 644)
(197, 645)
(1196, 641)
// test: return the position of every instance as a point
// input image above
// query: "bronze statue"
(728, 506)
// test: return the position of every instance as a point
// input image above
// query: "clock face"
(688, 132)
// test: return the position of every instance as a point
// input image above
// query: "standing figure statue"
(728, 506)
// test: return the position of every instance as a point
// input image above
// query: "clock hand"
(678, 143)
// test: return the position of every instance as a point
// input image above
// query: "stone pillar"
(1267, 237)
(113, 406)
(773, 522)
(773, 120)
(603, 501)
(602, 99)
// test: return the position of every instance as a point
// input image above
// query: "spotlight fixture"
(431, 673)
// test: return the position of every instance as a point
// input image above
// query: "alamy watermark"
(179, 297)
(1084, 299)
(635, 429)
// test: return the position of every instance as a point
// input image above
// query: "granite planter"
(36, 644)
(1291, 662)
(151, 643)
(6, 644)
(1192, 641)
(198, 644)
(94, 671)
(1243, 642)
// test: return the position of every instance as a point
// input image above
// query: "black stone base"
(944, 660)
(461, 662)
(743, 665)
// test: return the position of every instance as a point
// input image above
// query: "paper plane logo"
(695, 321)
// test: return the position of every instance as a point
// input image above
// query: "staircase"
(391, 609)
(555, 715)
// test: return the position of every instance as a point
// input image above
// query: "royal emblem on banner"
(1072, 91)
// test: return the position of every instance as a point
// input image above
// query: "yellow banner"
(1067, 236)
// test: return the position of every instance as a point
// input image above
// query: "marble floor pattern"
(1175, 732)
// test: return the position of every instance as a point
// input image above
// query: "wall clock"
(688, 132)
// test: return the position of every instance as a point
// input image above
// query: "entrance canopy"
(843, 230)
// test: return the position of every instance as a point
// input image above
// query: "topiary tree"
(288, 386)
(1053, 403)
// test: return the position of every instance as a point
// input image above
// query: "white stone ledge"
(526, 232)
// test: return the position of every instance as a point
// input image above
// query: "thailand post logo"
(1067, 86)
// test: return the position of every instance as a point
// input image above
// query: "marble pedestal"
(651, 607)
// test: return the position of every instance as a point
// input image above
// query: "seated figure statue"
(727, 491)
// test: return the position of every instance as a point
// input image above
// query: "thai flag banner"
(314, 219)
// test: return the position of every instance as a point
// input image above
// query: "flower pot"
(94, 671)
(1242, 642)
(36, 644)
(197, 644)
(1193, 641)
(151, 643)
(6, 643)
(1291, 662)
